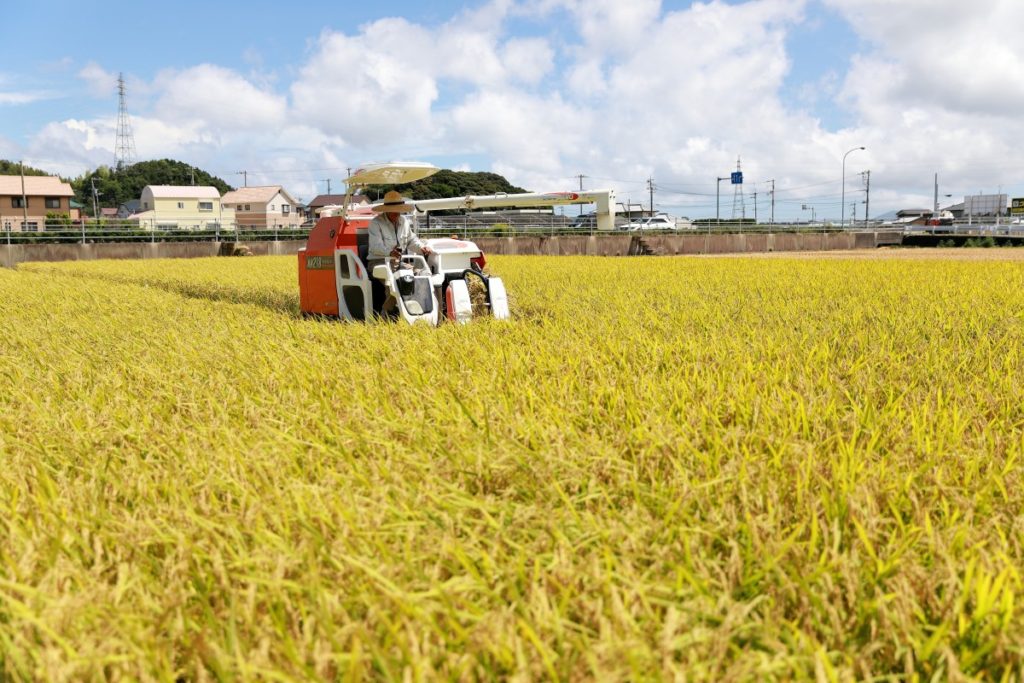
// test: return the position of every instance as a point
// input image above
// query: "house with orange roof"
(263, 208)
(25, 201)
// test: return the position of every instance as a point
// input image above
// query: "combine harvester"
(333, 277)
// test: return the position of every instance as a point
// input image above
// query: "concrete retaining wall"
(564, 245)
(622, 245)
(11, 255)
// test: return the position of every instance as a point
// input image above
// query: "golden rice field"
(662, 468)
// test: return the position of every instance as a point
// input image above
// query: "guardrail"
(83, 233)
(463, 226)
(967, 230)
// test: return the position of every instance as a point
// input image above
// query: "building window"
(17, 203)
(181, 205)
(206, 206)
(246, 207)
(272, 207)
(286, 209)
(145, 205)
(31, 226)
(53, 202)
(7, 226)
(166, 226)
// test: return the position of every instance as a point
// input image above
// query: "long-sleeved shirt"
(384, 236)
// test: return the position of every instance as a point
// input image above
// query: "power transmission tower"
(124, 149)
(738, 205)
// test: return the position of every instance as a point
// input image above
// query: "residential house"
(182, 207)
(322, 200)
(129, 208)
(263, 208)
(913, 216)
(23, 208)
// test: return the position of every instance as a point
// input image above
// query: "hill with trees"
(14, 168)
(119, 186)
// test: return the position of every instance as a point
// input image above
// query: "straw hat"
(393, 203)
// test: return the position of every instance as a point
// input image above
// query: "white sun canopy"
(391, 173)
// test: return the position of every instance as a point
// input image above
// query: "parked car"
(659, 222)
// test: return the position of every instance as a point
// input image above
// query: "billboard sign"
(985, 204)
(1017, 206)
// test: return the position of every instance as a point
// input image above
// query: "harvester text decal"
(319, 263)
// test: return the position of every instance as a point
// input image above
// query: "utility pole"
(245, 177)
(867, 197)
(755, 207)
(95, 212)
(853, 210)
(772, 181)
(192, 174)
(24, 199)
(580, 176)
(999, 199)
(650, 189)
(328, 181)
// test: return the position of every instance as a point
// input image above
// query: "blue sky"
(538, 90)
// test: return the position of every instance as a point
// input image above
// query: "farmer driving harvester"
(390, 235)
(351, 252)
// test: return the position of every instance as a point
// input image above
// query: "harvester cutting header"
(334, 279)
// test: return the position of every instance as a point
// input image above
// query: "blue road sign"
(737, 178)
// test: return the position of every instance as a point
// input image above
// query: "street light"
(842, 206)
(717, 195)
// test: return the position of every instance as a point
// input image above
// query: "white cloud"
(604, 25)
(522, 130)
(100, 83)
(71, 147)
(18, 98)
(217, 98)
(958, 56)
(527, 60)
(369, 89)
